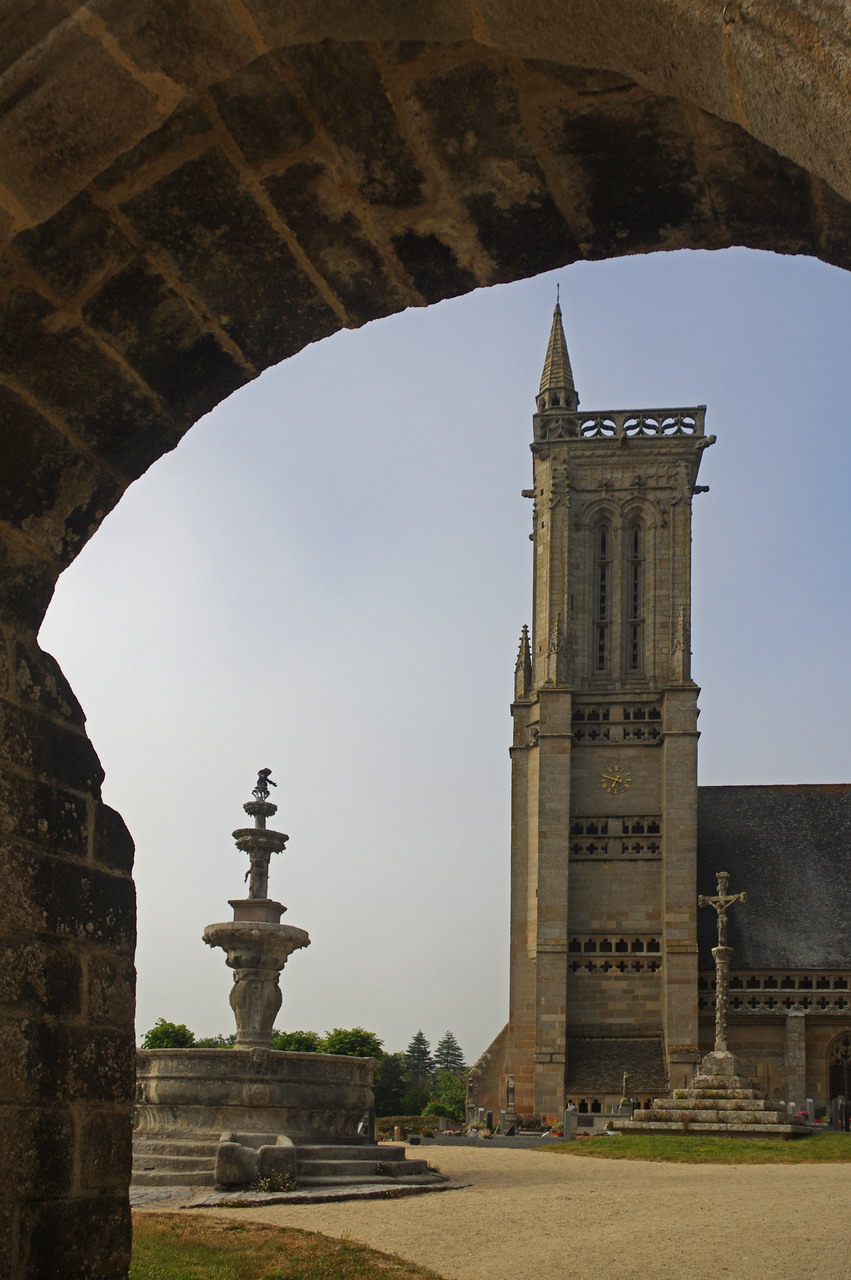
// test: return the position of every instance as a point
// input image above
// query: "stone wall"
(190, 193)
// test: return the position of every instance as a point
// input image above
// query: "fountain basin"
(255, 944)
(308, 1097)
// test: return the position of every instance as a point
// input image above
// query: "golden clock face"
(615, 779)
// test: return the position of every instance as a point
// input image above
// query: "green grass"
(171, 1246)
(693, 1148)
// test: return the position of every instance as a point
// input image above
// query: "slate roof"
(789, 848)
(597, 1065)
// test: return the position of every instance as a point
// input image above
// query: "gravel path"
(529, 1215)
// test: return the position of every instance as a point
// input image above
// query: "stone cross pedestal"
(722, 1061)
(718, 1100)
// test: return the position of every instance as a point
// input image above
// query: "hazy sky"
(329, 576)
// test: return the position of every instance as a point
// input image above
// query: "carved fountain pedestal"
(256, 944)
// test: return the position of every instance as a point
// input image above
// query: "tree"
(391, 1085)
(297, 1041)
(168, 1035)
(448, 1098)
(216, 1042)
(354, 1043)
(448, 1056)
(420, 1062)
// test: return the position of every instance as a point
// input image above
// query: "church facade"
(612, 840)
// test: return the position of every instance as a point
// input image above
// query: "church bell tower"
(604, 755)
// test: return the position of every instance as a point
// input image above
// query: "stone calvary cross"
(722, 904)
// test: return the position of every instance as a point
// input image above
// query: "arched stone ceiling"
(193, 194)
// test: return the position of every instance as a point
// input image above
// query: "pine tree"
(420, 1062)
(448, 1056)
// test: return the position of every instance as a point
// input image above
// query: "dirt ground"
(532, 1215)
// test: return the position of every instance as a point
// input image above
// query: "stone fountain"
(225, 1117)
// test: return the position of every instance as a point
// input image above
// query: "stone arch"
(190, 195)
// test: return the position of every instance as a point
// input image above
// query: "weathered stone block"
(46, 816)
(629, 164)
(835, 216)
(442, 20)
(194, 43)
(30, 742)
(186, 130)
(26, 26)
(120, 423)
(308, 198)
(26, 584)
(110, 988)
(40, 461)
(759, 195)
(40, 977)
(261, 112)
(86, 903)
(106, 1150)
(236, 1164)
(187, 366)
(348, 95)
(38, 1152)
(78, 243)
(471, 140)
(808, 52)
(40, 682)
(84, 1239)
(55, 1062)
(69, 88)
(112, 845)
(432, 265)
(203, 217)
(282, 1157)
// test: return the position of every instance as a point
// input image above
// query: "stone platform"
(719, 1101)
(180, 1161)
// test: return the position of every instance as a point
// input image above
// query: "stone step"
(366, 1152)
(172, 1178)
(707, 1115)
(696, 1101)
(166, 1162)
(732, 1128)
(409, 1180)
(174, 1147)
(354, 1168)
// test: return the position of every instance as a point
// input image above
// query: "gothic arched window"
(635, 597)
(603, 592)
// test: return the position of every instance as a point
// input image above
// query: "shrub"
(275, 1182)
(408, 1124)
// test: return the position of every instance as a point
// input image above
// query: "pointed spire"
(557, 389)
(523, 668)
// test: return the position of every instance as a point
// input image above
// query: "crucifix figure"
(722, 904)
